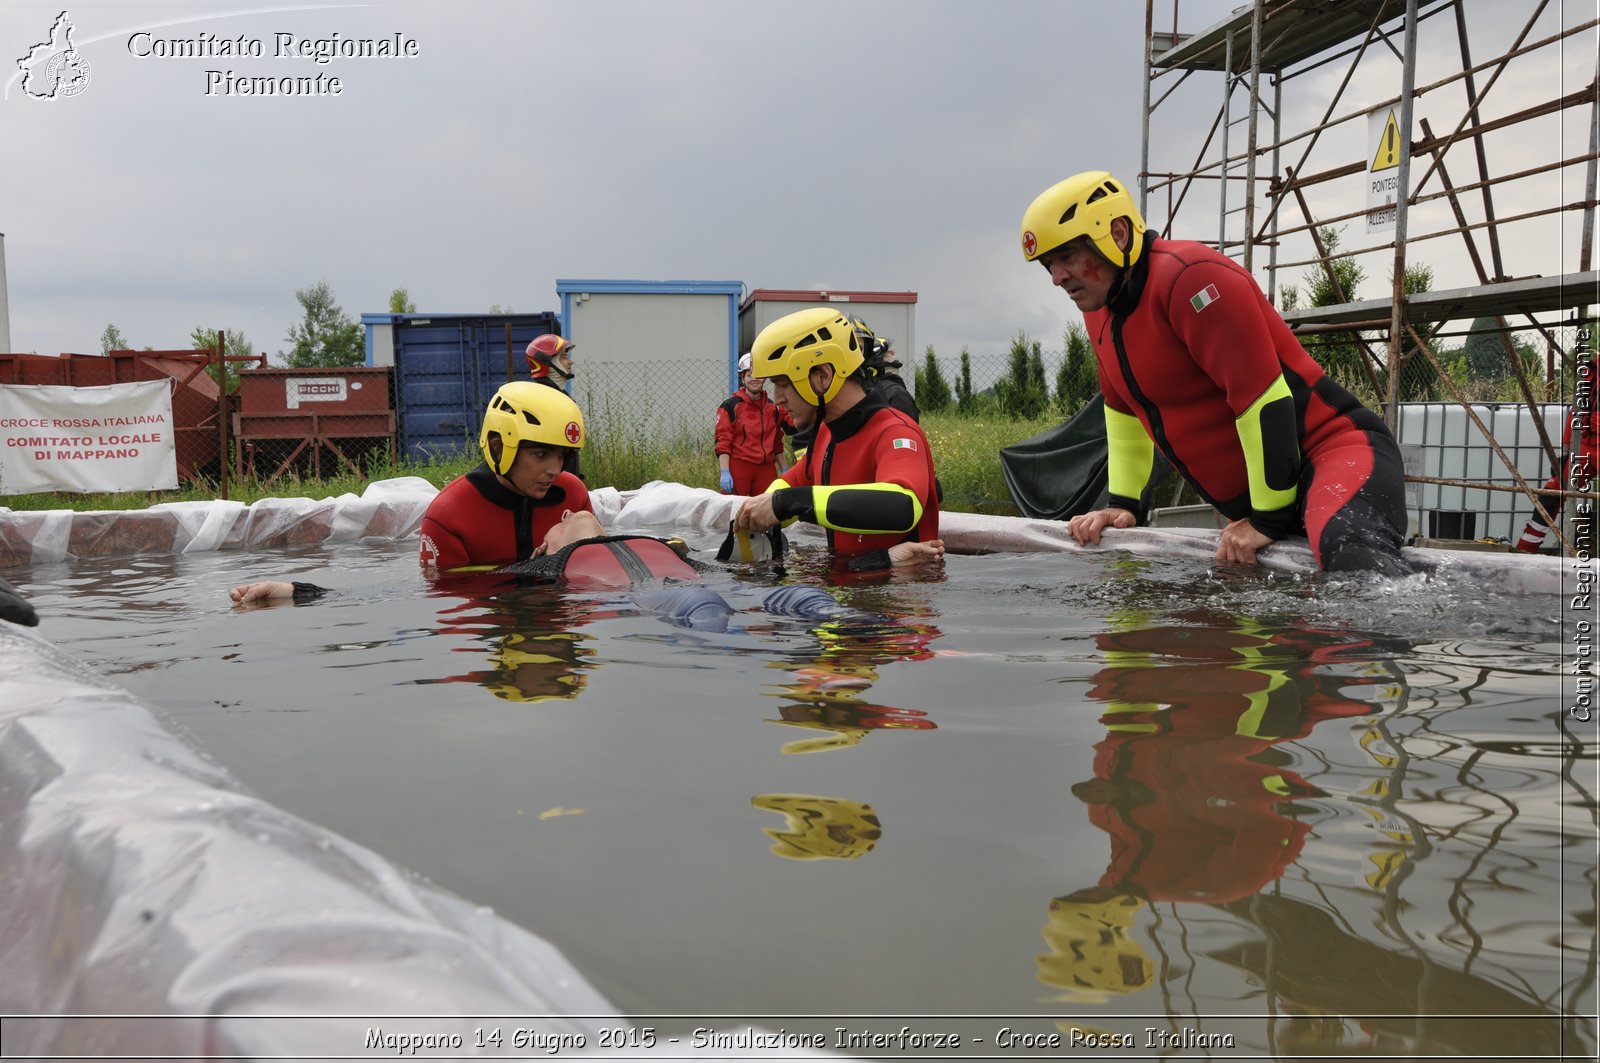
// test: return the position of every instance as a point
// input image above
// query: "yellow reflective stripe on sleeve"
(866, 509)
(1264, 498)
(1130, 454)
(776, 485)
(1250, 721)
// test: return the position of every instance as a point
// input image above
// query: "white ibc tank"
(1441, 441)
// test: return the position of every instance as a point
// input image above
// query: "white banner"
(114, 438)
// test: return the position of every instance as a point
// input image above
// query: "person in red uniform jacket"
(1194, 360)
(1581, 441)
(750, 431)
(868, 479)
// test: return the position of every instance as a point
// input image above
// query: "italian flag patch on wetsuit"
(1204, 297)
(905, 444)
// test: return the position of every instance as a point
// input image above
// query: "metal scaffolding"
(1278, 193)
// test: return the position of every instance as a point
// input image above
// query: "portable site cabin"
(890, 315)
(653, 358)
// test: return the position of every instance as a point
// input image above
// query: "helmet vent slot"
(530, 418)
(810, 340)
(1068, 215)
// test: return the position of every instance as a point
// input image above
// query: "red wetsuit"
(750, 431)
(1182, 786)
(1577, 467)
(1191, 347)
(609, 561)
(477, 520)
(868, 480)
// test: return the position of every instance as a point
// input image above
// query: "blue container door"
(447, 368)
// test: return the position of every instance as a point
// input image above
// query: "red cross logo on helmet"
(1029, 243)
(574, 433)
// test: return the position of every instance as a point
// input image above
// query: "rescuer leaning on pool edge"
(1193, 359)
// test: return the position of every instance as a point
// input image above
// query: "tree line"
(324, 337)
(1024, 390)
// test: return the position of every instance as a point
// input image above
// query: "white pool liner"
(138, 878)
(392, 510)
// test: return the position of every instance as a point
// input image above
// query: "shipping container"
(292, 418)
(446, 368)
(194, 393)
(892, 316)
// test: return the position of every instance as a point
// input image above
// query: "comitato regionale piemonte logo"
(54, 69)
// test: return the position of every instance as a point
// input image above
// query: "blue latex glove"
(727, 481)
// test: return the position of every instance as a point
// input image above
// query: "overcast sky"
(876, 144)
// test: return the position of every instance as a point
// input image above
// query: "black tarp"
(1062, 472)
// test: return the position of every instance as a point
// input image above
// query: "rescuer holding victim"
(868, 479)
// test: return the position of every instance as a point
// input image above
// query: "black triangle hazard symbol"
(1387, 157)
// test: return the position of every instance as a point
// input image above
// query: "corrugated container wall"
(446, 366)
(653, 358)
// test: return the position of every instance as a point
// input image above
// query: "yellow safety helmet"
(796, 343)
(1092, 957)
(542, 667)
(1082, 205)
(525, 412)
(821, 828)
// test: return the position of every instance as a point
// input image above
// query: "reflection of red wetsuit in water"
(1191, 813)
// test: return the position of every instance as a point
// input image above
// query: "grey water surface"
(1102, 792)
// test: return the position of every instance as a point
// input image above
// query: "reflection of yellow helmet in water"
(1092, 957)
(532, 668)
(834, 737)
(820, 828)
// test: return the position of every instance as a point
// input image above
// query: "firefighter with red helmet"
(550, 360)
(550, 364)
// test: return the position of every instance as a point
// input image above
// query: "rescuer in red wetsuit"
(750, 431)
(504, 510)
(1194, 360)
(501, 511)
(1581, 441)
(868, 479)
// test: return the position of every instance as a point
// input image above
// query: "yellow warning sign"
(1387, 157)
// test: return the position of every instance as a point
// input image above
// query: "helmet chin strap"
(821, 402)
